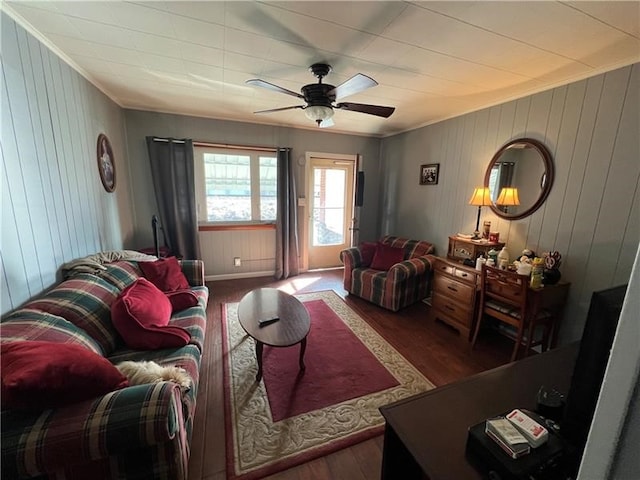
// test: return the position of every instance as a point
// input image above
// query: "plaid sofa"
(142, 431)
(403, 284)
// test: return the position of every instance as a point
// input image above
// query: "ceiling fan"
(320, 97)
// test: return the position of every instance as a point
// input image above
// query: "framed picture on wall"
(106, 164)
(429, 174)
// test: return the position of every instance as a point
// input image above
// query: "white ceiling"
(433, 60)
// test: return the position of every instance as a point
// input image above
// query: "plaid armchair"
(404, 283)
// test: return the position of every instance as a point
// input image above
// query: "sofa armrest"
(194, 271)
(410, 268)
(35, 443)
(351, 258)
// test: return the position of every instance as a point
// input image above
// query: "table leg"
(303, 348)
(259, 348)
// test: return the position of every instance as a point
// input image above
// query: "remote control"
(535, 433)
(267, 321)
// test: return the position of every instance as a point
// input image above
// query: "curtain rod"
(221, 145)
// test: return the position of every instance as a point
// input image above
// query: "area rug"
(292, 417)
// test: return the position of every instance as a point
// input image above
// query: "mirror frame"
(547, 178)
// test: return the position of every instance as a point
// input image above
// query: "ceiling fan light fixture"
(318, 113)
(319, 97)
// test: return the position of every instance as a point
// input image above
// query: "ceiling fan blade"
(327, 123)
(270, 86)
(355, 84)
(279, 109)
(377, 110)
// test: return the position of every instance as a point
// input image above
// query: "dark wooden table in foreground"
(425, 435)
(292, 326)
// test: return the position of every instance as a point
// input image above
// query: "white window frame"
(200, 182)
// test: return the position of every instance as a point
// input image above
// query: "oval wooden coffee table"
(292, 326)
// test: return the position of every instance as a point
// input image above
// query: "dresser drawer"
(454, 289)
(455, 270)
(442, 267)
(461, 314)
(464, 275)
(462, 250)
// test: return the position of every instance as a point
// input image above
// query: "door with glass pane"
(330, 210)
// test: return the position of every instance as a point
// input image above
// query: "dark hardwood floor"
(431, 346)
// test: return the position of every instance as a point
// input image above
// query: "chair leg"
(530, 333)
(546, 337)
(514, 355)
(477, 329)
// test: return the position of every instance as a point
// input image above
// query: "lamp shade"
(508, 196)
(481, 196)
(318, 113)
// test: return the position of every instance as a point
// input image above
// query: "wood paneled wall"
(54, 208)
(592, 215)
(255, 248)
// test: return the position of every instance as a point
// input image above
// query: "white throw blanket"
(95, 263)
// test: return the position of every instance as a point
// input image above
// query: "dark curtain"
(287, 218)
(172, 170)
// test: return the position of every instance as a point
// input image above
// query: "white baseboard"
(231, 276)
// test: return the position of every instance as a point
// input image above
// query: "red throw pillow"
(166, 274)
(41, 375)
(141, 316)
(367, 250)
(181, 300)
(386, 257)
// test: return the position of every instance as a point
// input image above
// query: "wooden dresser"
(454, 294)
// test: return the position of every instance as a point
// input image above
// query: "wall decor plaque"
(429, 174)
(106, 163)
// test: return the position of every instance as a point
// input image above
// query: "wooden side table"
(551, 298)
(461, 249)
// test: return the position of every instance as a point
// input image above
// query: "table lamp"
(481, 197)
(508, 197)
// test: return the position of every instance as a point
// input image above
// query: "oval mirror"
(519, 178)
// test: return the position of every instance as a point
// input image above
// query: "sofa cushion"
(194, 323)
(386, 257)
(166, 274)
(121, 273)
(412, 248)
(84, 300)
(41, 375)
(141, 314)
(29, 324)
(181, 300)
(367, 251)
(194, 319)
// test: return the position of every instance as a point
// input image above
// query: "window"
(235, 185)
